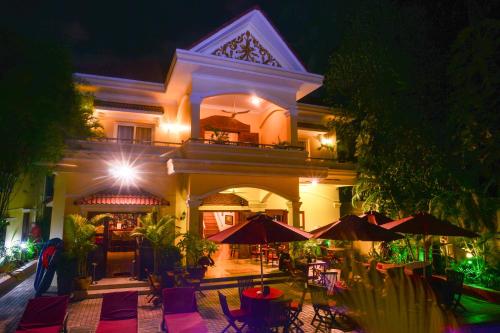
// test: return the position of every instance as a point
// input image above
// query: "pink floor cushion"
(49, 329)
(119, 305)
(122, 326)
(190, 322)
(179, 300)
(44, 313)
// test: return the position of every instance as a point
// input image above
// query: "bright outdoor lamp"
(255, 100)
(124, 173)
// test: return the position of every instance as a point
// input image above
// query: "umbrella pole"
(409, 248)
(261, 270)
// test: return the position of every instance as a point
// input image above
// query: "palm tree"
(77, 235)
(160, 232)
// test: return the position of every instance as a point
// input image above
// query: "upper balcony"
(103, 145)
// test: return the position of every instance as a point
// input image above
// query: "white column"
(294, 212)
(193, 217)
(195, 104)
(58, 206)
(292, 116)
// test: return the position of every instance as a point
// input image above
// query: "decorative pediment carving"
(246, 47)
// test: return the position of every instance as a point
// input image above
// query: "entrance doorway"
(116, 254)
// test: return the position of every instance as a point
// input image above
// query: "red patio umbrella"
(427, 224)
(352, 227)
(375, 217)
(260, 229)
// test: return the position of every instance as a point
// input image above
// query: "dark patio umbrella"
(427, 224)
(376, 218)
(260, 229)
(352, 227)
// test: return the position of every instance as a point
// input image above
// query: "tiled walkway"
(84, 315)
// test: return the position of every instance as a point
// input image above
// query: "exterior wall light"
(327, 141)
(314, 182)
(173, 127)
(124, 173)
(256, 101)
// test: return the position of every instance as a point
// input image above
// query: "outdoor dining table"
(258, 304)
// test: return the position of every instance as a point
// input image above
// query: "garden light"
(469, 255)
(255, 100)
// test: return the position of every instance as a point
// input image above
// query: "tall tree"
(39, 108)
(393, 78)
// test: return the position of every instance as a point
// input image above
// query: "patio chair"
(119, 313)
(232, 316)
(295, 310)
(194, 279)
(45, 314)
(255, 252)
(272, 256)
(154, 293)
(328, 280)
(244, 283)
(180, 311)
(297, 276)
(454, 286)
(322, 306)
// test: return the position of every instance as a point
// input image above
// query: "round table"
(254, 293)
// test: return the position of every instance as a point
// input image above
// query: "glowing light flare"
(314, 182)
(469, 255)
(124, 173)
(327, 141)
(173, 127)
(256, 101)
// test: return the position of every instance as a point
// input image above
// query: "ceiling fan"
(234, 113)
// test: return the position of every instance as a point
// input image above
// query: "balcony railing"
(331, 163)
(247, 144)
(103, 144)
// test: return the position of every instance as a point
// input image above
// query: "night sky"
(136, 39)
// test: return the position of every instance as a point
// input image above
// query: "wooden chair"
(323, 314)
(232, 316)
(272, 256)
(255, 252)
(454, 286)
(194, 279)
(297, 277)
(328, 280)
(244, 283)
(295, 310)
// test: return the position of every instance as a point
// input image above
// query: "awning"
(128, 197)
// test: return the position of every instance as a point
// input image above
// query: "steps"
(210, 224)
(109, 285)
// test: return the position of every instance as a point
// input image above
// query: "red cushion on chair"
(294, 305)
(179, 300)
(122, 326)
(50, 329)
(190, 322)
(238, 313)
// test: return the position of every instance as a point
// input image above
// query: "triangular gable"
(250, 38)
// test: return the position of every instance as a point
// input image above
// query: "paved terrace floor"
(84, 315)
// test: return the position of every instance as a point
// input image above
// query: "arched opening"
(244, 118)
(230, 207)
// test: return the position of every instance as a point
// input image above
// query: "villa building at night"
(224, 136)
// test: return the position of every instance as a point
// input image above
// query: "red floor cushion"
(122, 326)
(189, 322)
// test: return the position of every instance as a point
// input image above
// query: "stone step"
(97, 293)
(131, 284)
(253, 276)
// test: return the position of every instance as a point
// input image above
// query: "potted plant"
(78, 240)
(160, 232)
(281, 144)
(218, 136)
(198, 251)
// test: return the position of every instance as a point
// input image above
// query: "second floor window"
(134, 134)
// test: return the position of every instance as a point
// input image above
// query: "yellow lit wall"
(320, 204)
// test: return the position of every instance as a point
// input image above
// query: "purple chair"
(180, 311)
(44, 315)
(118, 312)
